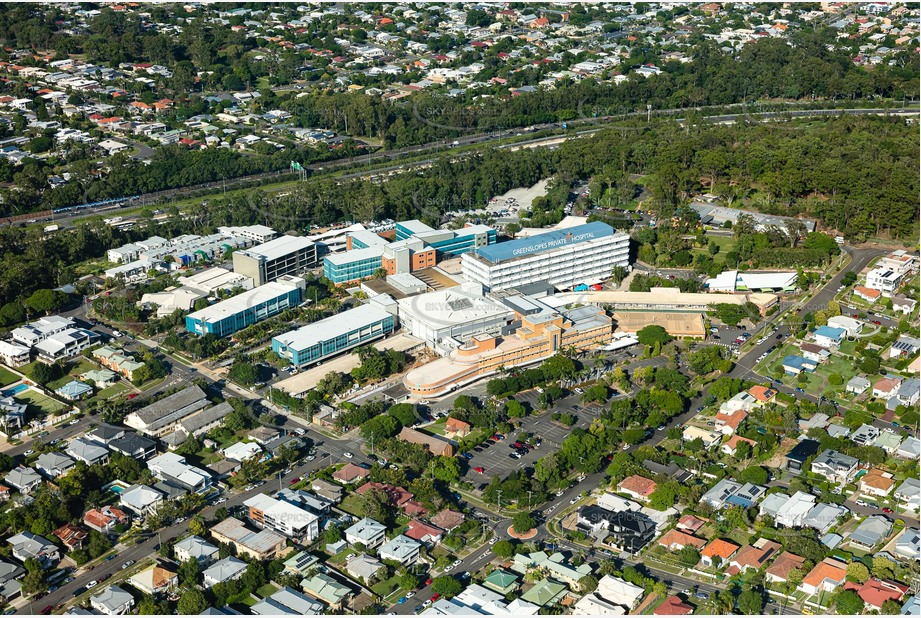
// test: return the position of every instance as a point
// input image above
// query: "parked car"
(479, 469)
(127, 564)
(347, 455)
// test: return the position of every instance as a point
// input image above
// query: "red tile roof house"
(753, 556)
(729, 423)
(105, 519)
(778, 572)
(676, 540)
(885, 388)
(424, 533)
(718, 553)
(72, 536)
(867, 293)
(673, 606)
(826, 575)
(399, 497)
(448, 519)
(875, 592)
(690, 523)
(733, 443)
(638, 487)
(349, 473)
(456, 428)
(762, 393)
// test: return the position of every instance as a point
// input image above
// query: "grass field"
(267, 590)
(351, 506)
(387, 587)
(7, 377)
(115, 389)
(725, 243)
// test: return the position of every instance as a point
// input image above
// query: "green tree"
(409, 581)
(44, 373)
(191, 603)
(857, 572)
(588, 583)
(848, 603)
(750, 602)
(522, 522)
(755, 475)
(447, 586)
(503, 549)
(653, 334)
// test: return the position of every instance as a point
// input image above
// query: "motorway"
(464, 141)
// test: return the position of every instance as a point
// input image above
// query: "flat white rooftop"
(280, 247)
(240, 302)
(338, 259)
(332, 327)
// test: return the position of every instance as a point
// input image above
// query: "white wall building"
(584, 254)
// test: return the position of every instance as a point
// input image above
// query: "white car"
(347, 455)
(456, 564)
(427, 603)
(410, 594)
(861, 503)
(559, 493)
(311, 457)
(493, 540)
(92, 583)
(574, 500)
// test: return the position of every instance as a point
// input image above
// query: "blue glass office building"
(320, 340)
(236, 313)
(352, 265)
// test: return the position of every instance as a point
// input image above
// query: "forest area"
(857, 175)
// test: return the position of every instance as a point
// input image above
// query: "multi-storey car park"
(286, 255)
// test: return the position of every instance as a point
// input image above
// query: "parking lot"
(494, 457)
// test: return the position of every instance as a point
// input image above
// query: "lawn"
(7, 377)
(73, 371)
(115, 389)
(267, 590)
(351, 506)
(47, 404)
(387, 587)
(725, 243)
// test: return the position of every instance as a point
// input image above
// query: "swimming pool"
(15, 390)
(116, 489)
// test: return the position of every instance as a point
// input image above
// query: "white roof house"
(141, 499)
(225, 570)
(367, 531)
(113, 601)
(197, 548)
(402, 549)
(242, 451)
(618, 591)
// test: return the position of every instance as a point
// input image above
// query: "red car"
(855, 316)
(428, 582)
(479, 469)
(435, 597)
(877, 322)
(132, 395)
(295, 480)
(887, 510)
(47, 610)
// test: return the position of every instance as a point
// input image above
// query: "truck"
(51, 228)
(580, 288)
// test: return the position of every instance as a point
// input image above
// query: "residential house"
(134, 446)
(112, 601)
(287, 602)
(362, 567)
(327, 589)
(868, 294)
(753, 557)
(673, 606)
(731, 445)
(825, 576)
(283, 516)
(73, 537)
(728, 423)
(718, 553)
(437, 445)
(367, 532)
(545, 593)
(796, 458)
(23, 479)
(448, 519)
(74, 390)
(874, 592)
(402, 549)
(904, 305)
(794, 365)
(155, 579)
(836, 467)
(910, 448)
(261, 545)
(327, 490)
(27, 546)
(904, 347)
(709, 438)
(814, 352)
(196, 548)
(455, 428)
(53, 464)
(909, 494)
(908, 394)
(225, 570)
(241, 451)
(908, 544)
(850, 325)
(779, 571)
(501, 581)
(690, 524)
(424, 533)
(105, 518)
(829, 337)
(676, 540)
(887, 387)
(88, 452)
(350, 473)
(871, 532)
(172, 468)
(857, 385)
(619, 592)
(141, 499)
(865, 435)
(637, 487)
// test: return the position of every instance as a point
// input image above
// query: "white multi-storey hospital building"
(584, 254)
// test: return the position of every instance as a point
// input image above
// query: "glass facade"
(327, 347)
(245, 317)
(351, 271)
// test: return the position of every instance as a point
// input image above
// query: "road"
(68, 220)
